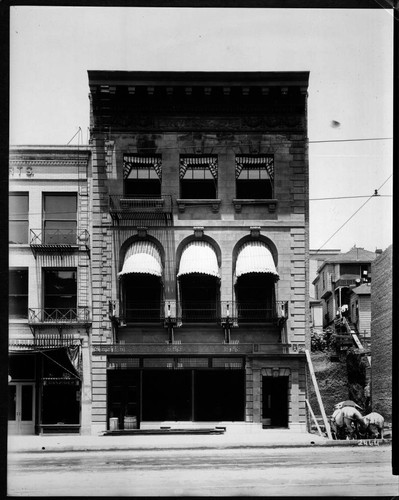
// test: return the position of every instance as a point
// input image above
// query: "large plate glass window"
(60, 219)
(18, 293)
(18, 218)
(254, 177)
(198, 177)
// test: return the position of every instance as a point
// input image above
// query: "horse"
(345, 423)
(373, 426)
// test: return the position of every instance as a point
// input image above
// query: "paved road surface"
(332, 471)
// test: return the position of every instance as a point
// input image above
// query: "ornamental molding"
(59, 163)
(280, 122)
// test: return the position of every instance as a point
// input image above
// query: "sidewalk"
(276, 438)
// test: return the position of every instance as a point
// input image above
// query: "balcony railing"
(43, 341)
(55, 316)
(128, 207)
(58, 240)
(200, 348)
(202, 312)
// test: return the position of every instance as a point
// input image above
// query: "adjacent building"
(343, 285)
(50, 290)
(381, 332)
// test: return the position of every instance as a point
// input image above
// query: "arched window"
(255, 277)
(141, 281)
(199, 283)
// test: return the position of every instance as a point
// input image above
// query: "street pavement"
(242, 471)
(270, 438)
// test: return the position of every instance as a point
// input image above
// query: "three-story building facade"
(49, 290)
(199, 249)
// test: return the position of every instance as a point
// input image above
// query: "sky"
(347, 52)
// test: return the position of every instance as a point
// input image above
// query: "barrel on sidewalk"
(130, 423)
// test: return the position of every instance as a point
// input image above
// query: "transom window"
(60, 218)
(254, 177)
(142, 175)
(18, 218)
(198, 176)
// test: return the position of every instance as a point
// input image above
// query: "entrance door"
(21, 408)
(275, 401)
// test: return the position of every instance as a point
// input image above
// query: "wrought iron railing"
(53, 315)
(43, 341)
(59, 237)
(200, 311)
(200, 348)
(128, 203)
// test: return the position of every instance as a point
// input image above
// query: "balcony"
(152, 210)
(203, 348)
(59, 241)
(202, 312)
(59, 318)
(48, 341)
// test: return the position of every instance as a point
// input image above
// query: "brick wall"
(381, 334)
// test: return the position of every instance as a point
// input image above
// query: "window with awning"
(254, 176)
(198, 176)
(142, 257)
(142, 175)
(255, 257)
(199, 257)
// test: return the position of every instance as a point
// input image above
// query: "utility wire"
(353, 140)
(351, 197)
(351, 217)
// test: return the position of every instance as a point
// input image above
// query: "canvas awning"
(142, 257)
(255, 257)
(199, 257)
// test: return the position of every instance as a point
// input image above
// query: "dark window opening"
(199, 297)
(198, 189)
(60, 294)
(22, 366)
(60, 219)
(61, 404)
(219, 395)
(142, 297)
(247, 189)
(18, 293)
(167, 395)
(142, 188)
(255, 297)
(18, 218)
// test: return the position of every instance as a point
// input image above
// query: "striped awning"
(199, 257)
(255, 257)
(142, 257)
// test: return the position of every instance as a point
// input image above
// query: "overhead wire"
(351, 217)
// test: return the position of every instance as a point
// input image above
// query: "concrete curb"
(190, 446)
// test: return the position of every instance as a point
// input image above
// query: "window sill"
(270, 203)
(213, 203)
